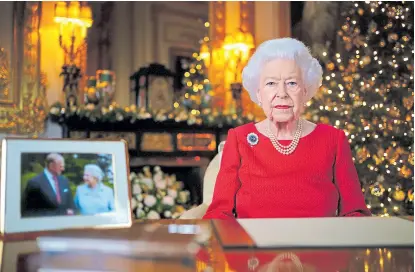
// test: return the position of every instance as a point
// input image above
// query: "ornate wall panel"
(22, 85)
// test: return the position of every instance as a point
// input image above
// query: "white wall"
(147, 32)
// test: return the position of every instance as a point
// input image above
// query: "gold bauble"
(393, 112)
(408, 102)
(392, 37)
(348, 79)
(406, 172)
(399, 195)
(377, 159)
(411, 195)
(362, 154)
(366, 60)
(330, 66)
(92, 95)
(324, 119)
(377, 189)
(411, 158)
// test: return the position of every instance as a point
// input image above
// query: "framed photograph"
(55, 184)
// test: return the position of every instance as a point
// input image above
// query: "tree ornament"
(377, 189)
(399, 195)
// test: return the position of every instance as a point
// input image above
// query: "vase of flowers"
(157, 195)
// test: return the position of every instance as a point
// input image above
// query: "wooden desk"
(16, 254)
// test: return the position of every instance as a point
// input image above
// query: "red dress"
(318, 180)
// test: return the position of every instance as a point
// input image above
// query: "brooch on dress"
(252, 139)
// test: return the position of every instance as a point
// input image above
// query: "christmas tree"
(197, 95)
(368, 92)
(197, 89)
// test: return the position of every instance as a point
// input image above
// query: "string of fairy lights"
(370, 96)
(197, 86)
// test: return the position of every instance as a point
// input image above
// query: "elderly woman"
(285, 166)
(93, 196)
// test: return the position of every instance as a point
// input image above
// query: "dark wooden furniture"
(22, 251)
(149, 138)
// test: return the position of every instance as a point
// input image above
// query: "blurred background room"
(166, 77)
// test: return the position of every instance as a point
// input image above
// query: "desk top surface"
(25, 253)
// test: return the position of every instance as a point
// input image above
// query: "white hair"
(52, 157)
(95, 171)
(284, 48)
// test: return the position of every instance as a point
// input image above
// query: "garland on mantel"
(132, 114)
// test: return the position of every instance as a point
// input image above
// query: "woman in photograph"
(94, 197)
(285, 166)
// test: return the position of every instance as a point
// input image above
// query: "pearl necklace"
(286, 149)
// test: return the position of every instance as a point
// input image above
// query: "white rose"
(132, 176)
(136, 189)
(167, 214)
(158, 177)
(169, 181)
(150, 200)
(183, 196)
(161, 184)
(153, 215)
(140, 205)
(148, 182)
(172, 193)
(139, 213)
(139, 197)
(168, 200)
(133, 203)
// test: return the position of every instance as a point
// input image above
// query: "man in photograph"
(48, 193)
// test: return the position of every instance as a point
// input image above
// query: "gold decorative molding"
(24, 109)
(217, 18)
(157, 142)
(217, 21)
(247, 17)
(196, 142)
(129, 137)
(5, 76)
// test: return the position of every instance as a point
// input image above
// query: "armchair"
(209, 181)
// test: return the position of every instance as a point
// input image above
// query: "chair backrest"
(211, 173)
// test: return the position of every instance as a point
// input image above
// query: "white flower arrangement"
(158, 195)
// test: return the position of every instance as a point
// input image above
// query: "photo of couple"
(66, 184)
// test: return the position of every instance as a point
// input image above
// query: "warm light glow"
(74, 19)
(205, 54)
(239, 44)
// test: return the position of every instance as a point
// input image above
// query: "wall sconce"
(74, 19)
(238, 46)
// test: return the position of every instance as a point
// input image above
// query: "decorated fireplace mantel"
(166, 134)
